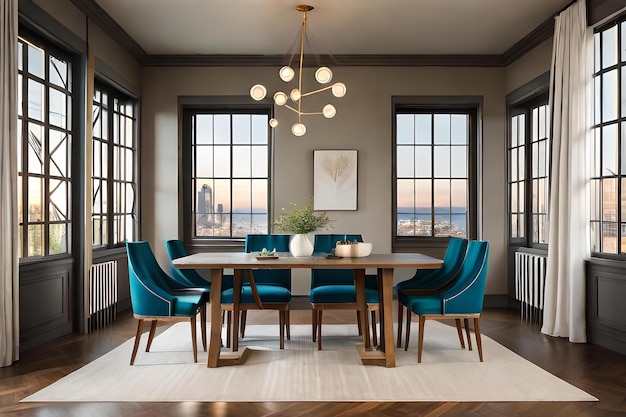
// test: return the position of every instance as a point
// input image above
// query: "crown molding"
(539, 35)
(335, 60)
(101, 18)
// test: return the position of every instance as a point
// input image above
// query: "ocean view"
(418, 223)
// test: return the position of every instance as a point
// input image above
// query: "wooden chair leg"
(193, 339)
(358, 323)
(287, 325)
(459, 330)
(242, 323)
(153, 326)
(400, 314)
(281, 324)
(479, 343)
(229, 327)
(137, 339)
(467, 331)
(420, 339)
(223, 319)
(314, 325)
(319, 329)
(409, 313)
(203, 313)
(374, 335)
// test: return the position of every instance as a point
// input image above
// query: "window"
(44, 150)
(608, 167)
(434, 171)
(529, 166)
(114, 185)
(227, 162)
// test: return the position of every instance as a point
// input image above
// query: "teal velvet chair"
(272, 285)
(335, 289)
(152, 298)
(428, 281)
(463, 300)
(192, 278)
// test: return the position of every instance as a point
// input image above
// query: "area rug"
(301, 373)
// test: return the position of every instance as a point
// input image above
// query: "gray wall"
(363, 122)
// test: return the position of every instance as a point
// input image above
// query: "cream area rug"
(301, 373)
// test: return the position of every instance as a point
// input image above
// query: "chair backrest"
(256, 243)
(455, 254)
(452, 262)
(176, 249)
(467, 293)
(324, 243)
(149, 294)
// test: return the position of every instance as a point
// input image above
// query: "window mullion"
(110, 212)
(433, 178)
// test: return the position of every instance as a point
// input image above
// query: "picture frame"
(335, 179)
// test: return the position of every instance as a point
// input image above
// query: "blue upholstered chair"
(335, 289)
(272, 285)
(191, 278)
(463, 300)
(152, 298)
(428, 281)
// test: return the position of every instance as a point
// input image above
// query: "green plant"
(301, 220)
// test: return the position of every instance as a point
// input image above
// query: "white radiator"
(102, 294)
(530, 279)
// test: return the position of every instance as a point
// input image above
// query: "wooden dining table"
(385, 264)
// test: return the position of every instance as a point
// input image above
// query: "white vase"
(301, 245)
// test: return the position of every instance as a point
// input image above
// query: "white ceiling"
(268, 27)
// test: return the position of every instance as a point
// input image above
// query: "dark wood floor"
(598, 371)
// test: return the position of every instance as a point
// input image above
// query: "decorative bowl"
(353, 250)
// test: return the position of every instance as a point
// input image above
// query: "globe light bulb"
(298, 129)
(295, 95)
(329, 111)
(323, 75)
(258, 92)
(286, 73)
(339, 90)
(280, 98)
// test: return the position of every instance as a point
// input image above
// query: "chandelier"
(323, 75)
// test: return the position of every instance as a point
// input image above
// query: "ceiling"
(351, 27)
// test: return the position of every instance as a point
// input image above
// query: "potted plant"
(301, 220)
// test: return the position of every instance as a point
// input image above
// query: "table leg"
(361, 303)
(216, 318)
(386, 316)
(236, 299)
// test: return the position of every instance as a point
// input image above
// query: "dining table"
(243, 263)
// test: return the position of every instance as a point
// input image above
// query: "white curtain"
(568, 240)
(9, 296)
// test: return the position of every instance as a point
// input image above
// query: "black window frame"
(113, 210)
(73, 127)
(190, 106)
(525, 107)
(598, 136)
(470, 105)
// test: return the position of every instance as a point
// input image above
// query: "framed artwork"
(334, 180)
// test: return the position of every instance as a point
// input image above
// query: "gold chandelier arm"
(301, 113)
(293, 110)
(302, 37)
(328, 87)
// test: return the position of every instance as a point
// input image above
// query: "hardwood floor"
(598, 371)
